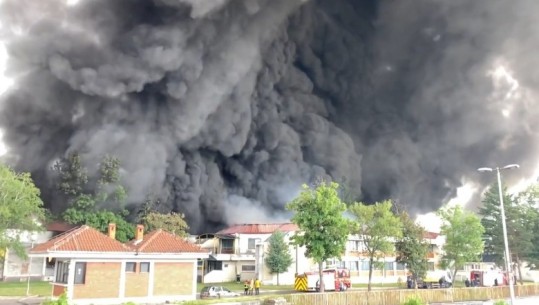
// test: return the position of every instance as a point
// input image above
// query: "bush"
(414, 300)
(500, 302)
(62, 300)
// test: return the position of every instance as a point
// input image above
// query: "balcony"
(226, 251)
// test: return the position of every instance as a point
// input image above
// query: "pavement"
(31, 300)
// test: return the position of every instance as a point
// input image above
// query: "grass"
(14, 289)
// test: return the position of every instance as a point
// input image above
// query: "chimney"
(139, 234)
(112, 230)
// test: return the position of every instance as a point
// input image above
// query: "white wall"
(16, 267)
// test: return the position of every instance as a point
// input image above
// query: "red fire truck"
(333, 277)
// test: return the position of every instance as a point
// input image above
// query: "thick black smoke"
(223, 108)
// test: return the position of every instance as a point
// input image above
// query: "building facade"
(93, 268)
(15, 268)
(238, 253)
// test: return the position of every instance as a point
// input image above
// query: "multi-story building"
(238, 253)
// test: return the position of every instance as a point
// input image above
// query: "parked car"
(217, 292)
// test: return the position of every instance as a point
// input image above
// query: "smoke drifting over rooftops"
(223, 108)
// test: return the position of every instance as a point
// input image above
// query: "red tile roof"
(160, 241)
(259, 228)
(81, 239)
(431, 235)
(58, 226)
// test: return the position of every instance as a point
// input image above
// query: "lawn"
(19, 288)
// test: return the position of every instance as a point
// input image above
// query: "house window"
(227, 246)
(401, 266)
(251, 243)
(365, 265)
(80, 273)
(248, 268)
(215, 265)
(145, 267)
(130, 267)
(62, 272)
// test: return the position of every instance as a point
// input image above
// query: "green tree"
(21, 208)
(96, 205)
(84, 212)
(173, 222)
(319, 215)
(491, 221)
(521, 218)
(377, 226)
(72, 175)
(278, 258)
(464, 237)
(412, 248)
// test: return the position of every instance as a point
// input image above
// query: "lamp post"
(33, 238)
(508, 265)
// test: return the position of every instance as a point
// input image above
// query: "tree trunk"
(321, 278)
(519, 271)
(370, 273)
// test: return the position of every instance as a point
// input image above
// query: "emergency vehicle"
(487, 278)
(333, 277)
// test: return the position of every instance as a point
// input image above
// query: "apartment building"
(238, 253)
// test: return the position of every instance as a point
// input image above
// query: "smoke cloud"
(223, 108)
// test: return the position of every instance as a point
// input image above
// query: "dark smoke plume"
(223, 108)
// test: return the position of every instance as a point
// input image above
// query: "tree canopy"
(94, 204)
(172, 222)
(319, 216)
(522, 219)
(278, 258)
(377, 226)
(412, 248)
(464, 237)
(21, 208)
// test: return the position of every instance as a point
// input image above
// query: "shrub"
(62, 300)
(500, 302)
(414, 300)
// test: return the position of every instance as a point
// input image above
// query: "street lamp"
(33, 238)
(504, 226)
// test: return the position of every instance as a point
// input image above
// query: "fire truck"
(487, 278)
(333, 277)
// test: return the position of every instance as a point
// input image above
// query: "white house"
(14, 268)
(238, 253)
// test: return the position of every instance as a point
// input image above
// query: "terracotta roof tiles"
(431, 235)
(81, 239)
(259, 228)
(160, 241)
